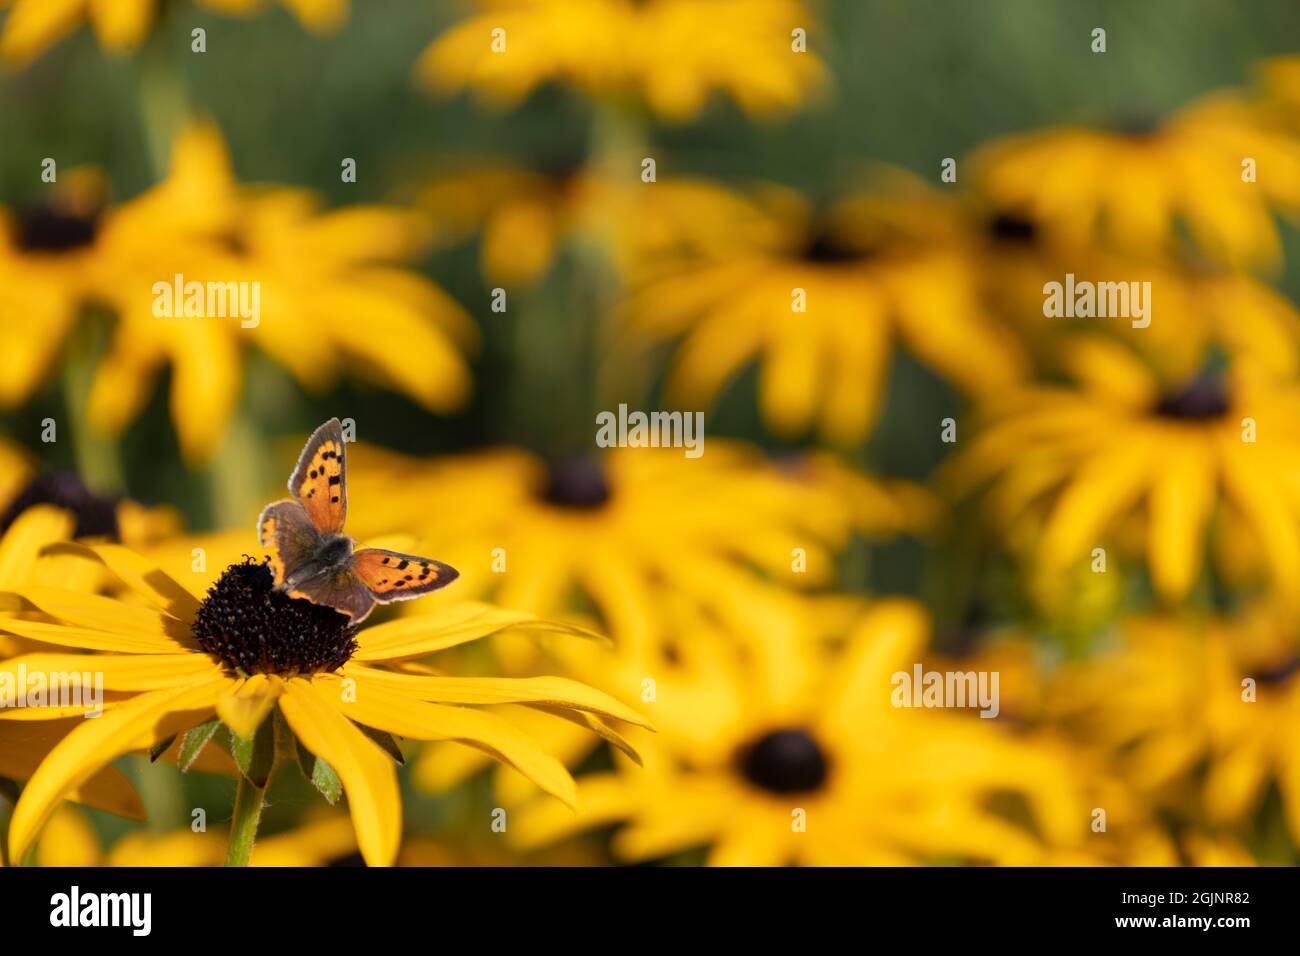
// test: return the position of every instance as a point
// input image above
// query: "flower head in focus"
(266, 665)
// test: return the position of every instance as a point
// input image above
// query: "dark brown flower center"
(1280, 673)
(1013, 230)
(576, 483)
(562, 168)
(52, 230)
(253, 628)
(826, 248)
(96, 516)
(784, 762)
(1202, 399)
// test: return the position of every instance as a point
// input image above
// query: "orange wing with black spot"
(320, 482)
(393, 576)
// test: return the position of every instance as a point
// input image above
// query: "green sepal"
(319, 773)
(195, 739)
(160, 748)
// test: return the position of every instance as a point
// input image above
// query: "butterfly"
(312, 558)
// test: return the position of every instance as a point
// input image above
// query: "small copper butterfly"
(312, 558)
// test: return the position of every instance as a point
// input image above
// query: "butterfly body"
(328, 551)
(313, 559)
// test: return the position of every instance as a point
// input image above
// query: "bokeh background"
(900, 83)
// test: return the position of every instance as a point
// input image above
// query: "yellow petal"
(406, 716)
(890, 637)
(141, 722)
(138, 672)
(97, 612)
(244, 706)
(31, 531)
(1181, 498)
(556, 692)
(1100, 494)
(422, 634)
(69, 840)
(34, 25)
(605, 798)
(138, 573)
(205, 386)
(121, 24)
(85, 638)
(365, 770)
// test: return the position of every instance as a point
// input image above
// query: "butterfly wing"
(319, 482)
(340, 588)
(287, 532)
(393, 576)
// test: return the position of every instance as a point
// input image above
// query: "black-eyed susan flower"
(820, 300)
(526, 218)
(1123, 455)
(315, 272)
(71, 249)
(254, 658)
(775, 752)
(1133, 189)
(611, 530)
(93, 515)
(1200, 714)
(32, 26)
(670, 54)
(1191, 309)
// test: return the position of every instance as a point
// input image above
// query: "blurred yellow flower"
(776, 752)
(1178, 694)
(610, 530)
(1133, 189)
(174, 660)
(33, 26)
(69, 839)
(23, 746)
(819, 300)
(108, 516)
(329, 295)
(526, 217)
(670, 53)
(1074, 466)
(1193, 309)
(73, 249)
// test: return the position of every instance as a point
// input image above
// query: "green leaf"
(386, 743)
(196, 738)
(255, 756)
(160, 748)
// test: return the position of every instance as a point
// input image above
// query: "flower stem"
(243, 826)
(98, 462)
